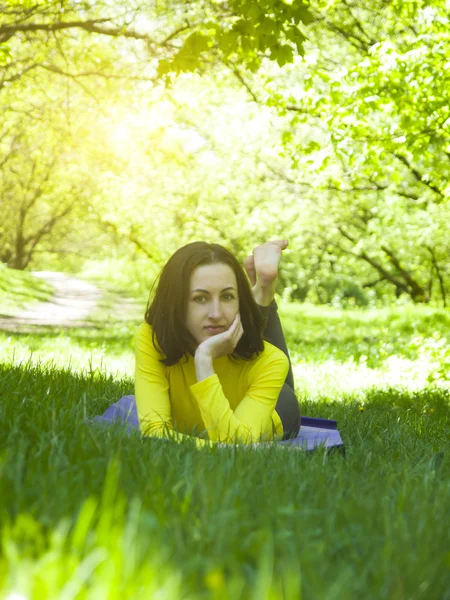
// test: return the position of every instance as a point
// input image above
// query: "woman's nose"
(215, 310)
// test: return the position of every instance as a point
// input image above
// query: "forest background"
(131, 128)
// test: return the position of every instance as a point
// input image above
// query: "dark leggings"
(287, 405)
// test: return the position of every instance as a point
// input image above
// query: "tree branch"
(417, 174)
(351, 37)
(383, 272)
(76, 76)
(12, 148)
(240, 78)
(45, 230)
(417, 290)
(18, 75)
(8, 31)
(298, 109)
(90, 25)
(435, 264)
(358, 25)
(373, 283)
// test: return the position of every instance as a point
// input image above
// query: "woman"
(202, 366)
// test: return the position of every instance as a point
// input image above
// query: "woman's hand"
(222, 344)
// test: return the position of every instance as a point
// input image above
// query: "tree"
(361, 179)
(195, 173)
(42, 192)
(370, 125)
(64, 37)
(105, 42)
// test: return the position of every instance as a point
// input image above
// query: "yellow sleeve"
(252, 420)
(152, 392)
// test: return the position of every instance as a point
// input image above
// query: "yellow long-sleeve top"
(235, 405)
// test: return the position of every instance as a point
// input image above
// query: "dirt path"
(72, 304)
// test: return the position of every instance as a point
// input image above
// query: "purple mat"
(314, 432)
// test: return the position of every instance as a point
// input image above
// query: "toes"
(267, 254)
(262, 267)
(280, 243)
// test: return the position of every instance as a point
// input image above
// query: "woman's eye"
(201, 299)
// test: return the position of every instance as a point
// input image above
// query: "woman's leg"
(262, 270)
(288, 409)
(287, 406)
(273, 333)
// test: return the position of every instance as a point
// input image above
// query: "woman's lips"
(215, 329)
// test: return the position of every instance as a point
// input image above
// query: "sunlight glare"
(125, 129)
(121, 135)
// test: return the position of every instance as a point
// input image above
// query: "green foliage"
(132, 279)
(435, 350)
(369, 141)
(340, 292)
(5, 54)
(240, 30)
(188, 57)
(353, 169)
(245, 32)
(43, 190)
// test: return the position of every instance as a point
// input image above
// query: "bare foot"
(262, 270)
(249, 265)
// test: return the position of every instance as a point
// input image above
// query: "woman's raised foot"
(262, 270)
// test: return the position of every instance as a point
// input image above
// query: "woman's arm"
(152, 392)
(252, 420)
(203, 366)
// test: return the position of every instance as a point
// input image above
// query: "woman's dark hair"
(166, 313)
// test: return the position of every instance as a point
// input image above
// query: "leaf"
(164, 67)
(188, 55)
(5, 54)
(242, 26)
(286, 137)
(228, 41)
(311, 147)
(195, 44)
(282, 54)
(301, 13)
(254, 12)
(265, 26)
(299, 41)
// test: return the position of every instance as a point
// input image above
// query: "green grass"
(19, 289)
(336, 352)
(92, 513)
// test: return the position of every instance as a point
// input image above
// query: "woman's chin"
(212, 333)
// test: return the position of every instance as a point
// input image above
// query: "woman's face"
(213, 301)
